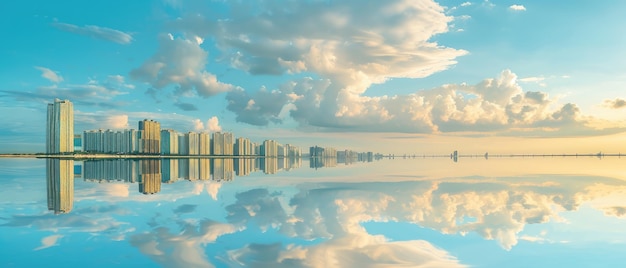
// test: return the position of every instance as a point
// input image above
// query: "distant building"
(269, 148)
(60, 127)
(243, 146)
(222, 143)
(169, 142)
(150, 141)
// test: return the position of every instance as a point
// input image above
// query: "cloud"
(186, 106)
(92, 93)
(180, 62)
(183, 249)
(103, 33)
(213, 124)
(186, 208)
(49, 241)
(352, 45)
(89, 120)
(355, 250)
(466, 4)
(51, 75)
(615, 104)
(493, 105)
(517, 8)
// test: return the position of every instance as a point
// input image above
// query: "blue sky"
(337, 73)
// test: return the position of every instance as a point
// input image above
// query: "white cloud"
(49, 241)
(51, 75)
(517, 8)
(465, 4)
(198, 125)
(116, 122)
(183, 249)
(213, 124)
(180, 62)
(494, 104)
(103, 33)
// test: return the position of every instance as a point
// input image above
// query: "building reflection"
(150, 179)
(60, 185)
(151, 173)
(223, 169)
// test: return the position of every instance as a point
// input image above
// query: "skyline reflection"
(341, 217)
(60, 185)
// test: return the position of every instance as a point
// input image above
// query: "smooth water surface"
(524, 212)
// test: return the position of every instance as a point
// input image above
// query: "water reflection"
(361, 216)
(60, 185)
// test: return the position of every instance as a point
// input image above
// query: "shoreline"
(133, 156)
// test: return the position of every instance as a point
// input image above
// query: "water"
(522, 212)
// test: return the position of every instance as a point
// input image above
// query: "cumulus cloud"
(180, 62)
(49, 241)
(212, 125)
(103, 33)
(352, 44)
(51, 75)
(465, 4)
(517, 8)
(494, 104)
(615, 104)
(183, 249)
(355, 250)
(89, 120)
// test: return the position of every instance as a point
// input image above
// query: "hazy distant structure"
(150, 179)
(60, 185)
(60, 127)
(292, 151)
(222, 143)
(326, 152)
(150, 141)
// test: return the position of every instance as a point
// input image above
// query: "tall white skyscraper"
(60, 127)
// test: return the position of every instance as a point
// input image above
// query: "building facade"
(60, 127)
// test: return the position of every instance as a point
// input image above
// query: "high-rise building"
(60, 127)
(150, 141)
(222, 143)
(269, 148)
(169, 142)
(243, 146)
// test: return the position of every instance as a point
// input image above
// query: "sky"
(399, 76)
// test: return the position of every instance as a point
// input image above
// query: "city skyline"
(392, 77)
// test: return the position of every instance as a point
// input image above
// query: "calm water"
(539, 212)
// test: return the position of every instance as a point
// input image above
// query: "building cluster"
(151, 139)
